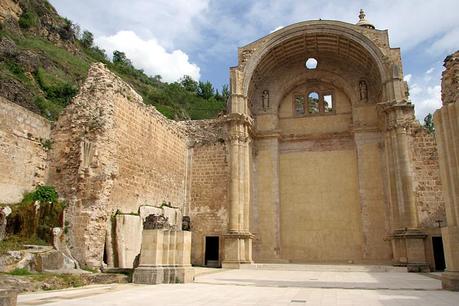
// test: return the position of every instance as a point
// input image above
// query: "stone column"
(446, 122)
(237, 242)
(407, 239)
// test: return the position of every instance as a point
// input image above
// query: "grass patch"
(75, 64)
(55, 87)
(15, 243)
(47, 108)
(20, 272)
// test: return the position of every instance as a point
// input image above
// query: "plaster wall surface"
(320, 211)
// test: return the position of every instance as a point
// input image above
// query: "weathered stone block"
(8, 297)
(148, 275)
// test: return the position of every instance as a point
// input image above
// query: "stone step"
(324, 267)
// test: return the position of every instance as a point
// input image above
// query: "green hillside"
(44, 58)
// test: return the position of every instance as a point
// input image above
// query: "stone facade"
(320, 164)
(24, 144)
(447, 124)
(339, 168)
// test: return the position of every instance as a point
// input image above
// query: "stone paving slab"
(250, 287)
(322, 279)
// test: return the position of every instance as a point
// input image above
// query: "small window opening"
(311, 63)
(328, 103)
(313, 102)
(299, 105)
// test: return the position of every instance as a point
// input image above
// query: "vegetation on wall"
(428, 123)
(34, 218)
(45, 58)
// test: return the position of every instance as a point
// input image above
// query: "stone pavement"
(264, 287)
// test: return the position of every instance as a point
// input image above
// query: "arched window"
(313, 102)
(299, 105)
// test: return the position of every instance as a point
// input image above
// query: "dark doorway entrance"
(439, 256)
(212, 250)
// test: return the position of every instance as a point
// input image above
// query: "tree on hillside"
(225, 93)
(206, 90)
(189, 84)
(119, 58)
(87, 39)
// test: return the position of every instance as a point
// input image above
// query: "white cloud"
(430, 70)
(150, 56)
(173, 23)
(407, 78)
(449, 42)
(426, 100)
(277, 29)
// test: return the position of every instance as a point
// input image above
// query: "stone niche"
(165, 257)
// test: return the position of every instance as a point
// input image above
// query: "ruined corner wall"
(209, 182)
(428, 190)
(112, 153)
(23, 157)
(446, 121)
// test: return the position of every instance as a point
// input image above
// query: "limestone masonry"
(318, 159)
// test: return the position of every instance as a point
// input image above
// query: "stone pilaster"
(238, 240)
(408, 242)
(446, 122)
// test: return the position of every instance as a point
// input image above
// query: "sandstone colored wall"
(111, 153)
(446, 121)
(209, 199)
(430, 203)
(23, 158)
(320, 210)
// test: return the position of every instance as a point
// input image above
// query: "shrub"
(45, 194)
(27, 20)
(36, 222)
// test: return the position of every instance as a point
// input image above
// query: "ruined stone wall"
(209, 180)
(23, 157)
(428, 190)
(151, 158)
(112, 153)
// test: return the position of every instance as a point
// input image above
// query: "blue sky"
(200, 37)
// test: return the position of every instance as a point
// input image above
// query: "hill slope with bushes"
(44, 58)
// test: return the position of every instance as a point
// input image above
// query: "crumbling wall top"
(450, 79)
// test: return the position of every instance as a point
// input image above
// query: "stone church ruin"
(319, 158)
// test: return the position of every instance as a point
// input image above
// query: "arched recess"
(306, 204)
(336, 41)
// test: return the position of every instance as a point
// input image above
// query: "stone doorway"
(439, 256)
(212, 250)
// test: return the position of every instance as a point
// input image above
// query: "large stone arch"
(371, 136)
(358, 44)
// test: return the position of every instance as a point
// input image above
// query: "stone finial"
(363, 22)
